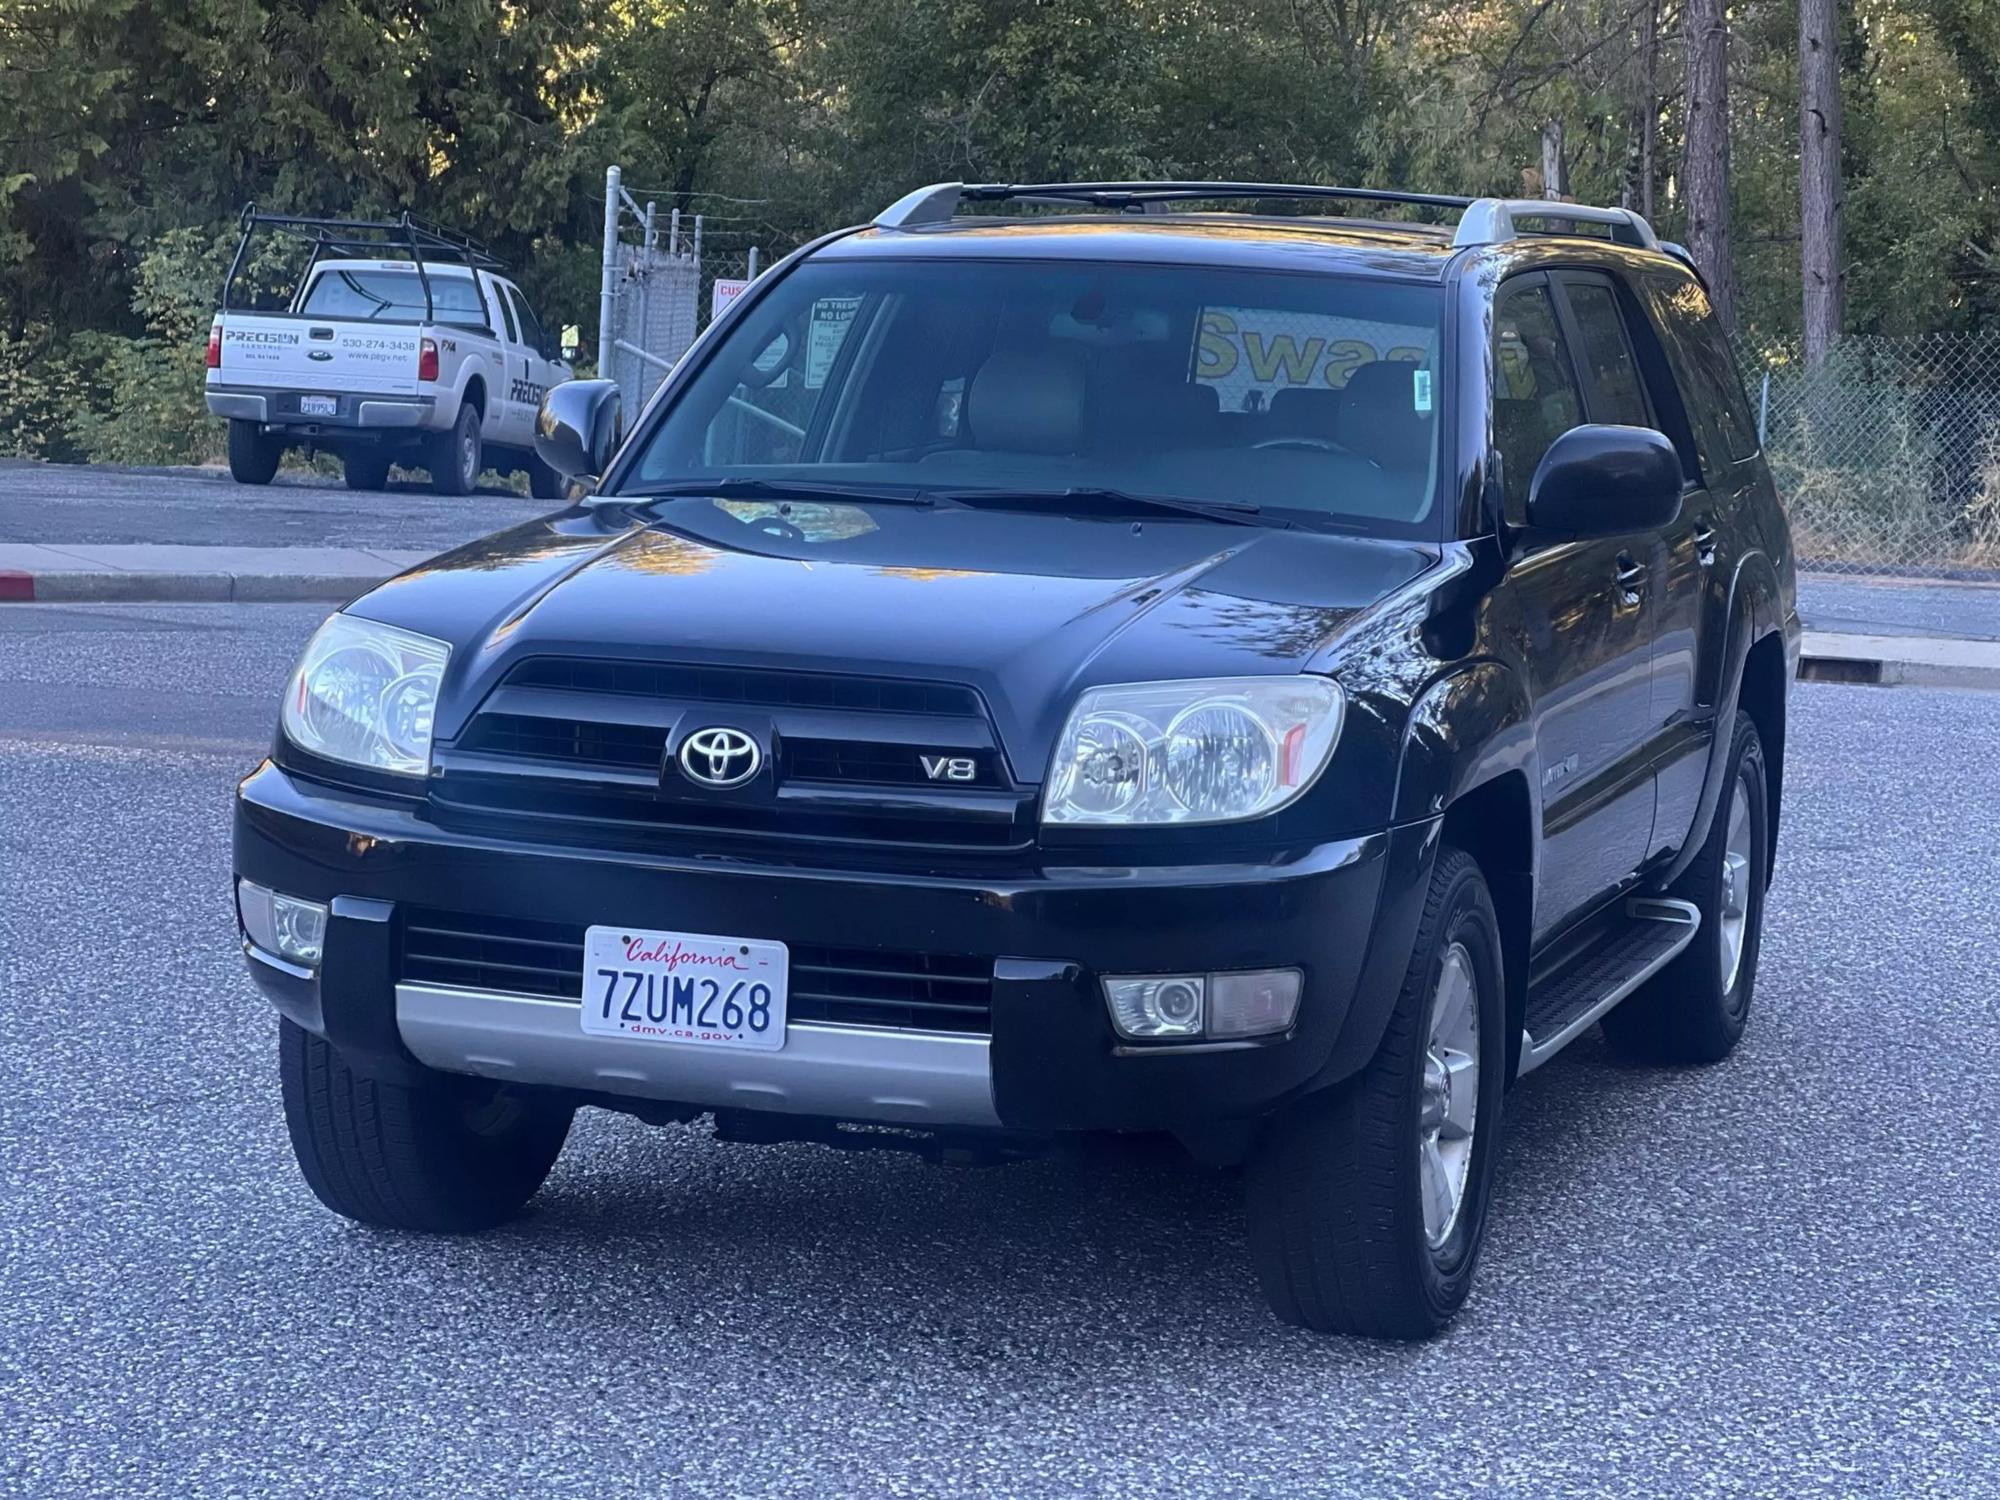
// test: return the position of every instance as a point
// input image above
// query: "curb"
(105, 587)
(1900, 661)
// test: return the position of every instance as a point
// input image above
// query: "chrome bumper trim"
(245, 408)
(845, 1072)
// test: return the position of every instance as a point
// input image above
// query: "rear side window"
(1535, 397)
(1616, 394)
(1704, 369)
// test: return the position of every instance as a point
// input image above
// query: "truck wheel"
(1367, 1203)
(455, 457)
(365, 468)
(253, 454)
(450, 1155)
(544, 483)
(1694, 1010)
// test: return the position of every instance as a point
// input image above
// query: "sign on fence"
(726, 290)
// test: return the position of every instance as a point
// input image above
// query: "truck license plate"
(685, 987)
(319, 406)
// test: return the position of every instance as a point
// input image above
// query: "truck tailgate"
(317, 354)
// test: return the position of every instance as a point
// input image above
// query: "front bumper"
(1345, 912)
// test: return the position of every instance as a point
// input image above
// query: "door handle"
(1631, 577)
(1704, 542)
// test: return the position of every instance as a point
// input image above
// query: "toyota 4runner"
(1060, 659)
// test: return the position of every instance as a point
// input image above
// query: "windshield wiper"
(740, 488)
(1096, 500)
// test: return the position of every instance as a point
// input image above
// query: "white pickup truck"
(403, 345)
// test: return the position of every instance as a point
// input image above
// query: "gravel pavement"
(1774, 1277)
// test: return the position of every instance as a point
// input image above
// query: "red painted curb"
(17, 588)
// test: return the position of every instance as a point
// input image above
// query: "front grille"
(845, 986)
(579, 741)
(579, 745)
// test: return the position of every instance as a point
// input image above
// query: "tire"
(1339, 1232)
(450, 1156)
(365, 469)
(544, 483)
(1694, 1010)
(455, 456)
(253, 453)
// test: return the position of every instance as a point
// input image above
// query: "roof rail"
(939, 202)
(1490, 221)
(1482, 221)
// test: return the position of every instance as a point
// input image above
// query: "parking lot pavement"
(1773, 1277)
(102, 504)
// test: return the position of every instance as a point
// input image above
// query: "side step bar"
(1564, 1003)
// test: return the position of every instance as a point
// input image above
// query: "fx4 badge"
(950, 767)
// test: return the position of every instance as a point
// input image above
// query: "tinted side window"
(531, 326)
(1535, 398)
(507, 314)
(1616, 394)
(1704, 369)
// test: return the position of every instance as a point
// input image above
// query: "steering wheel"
(1301, 440)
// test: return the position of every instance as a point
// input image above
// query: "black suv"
(1058, 660)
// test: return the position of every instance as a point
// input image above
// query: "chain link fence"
(667, 273)
(1888, 455)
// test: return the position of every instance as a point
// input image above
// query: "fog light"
(1156, 1005)
(286, 926)
(1252, 1004)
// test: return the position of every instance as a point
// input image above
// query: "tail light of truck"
(427, 360)
(215, 346)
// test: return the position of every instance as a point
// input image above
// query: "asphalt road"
(1774, 1277)
(96, 504)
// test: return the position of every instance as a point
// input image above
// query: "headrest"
(1024, 402)
(1379, 418)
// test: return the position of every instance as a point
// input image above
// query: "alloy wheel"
(1450, 1103)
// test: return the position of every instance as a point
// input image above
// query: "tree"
(1825, 276)
(1705, 162)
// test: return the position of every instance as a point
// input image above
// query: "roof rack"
(1482, 221)
(370, 238)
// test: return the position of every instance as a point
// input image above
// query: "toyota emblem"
(720, 758)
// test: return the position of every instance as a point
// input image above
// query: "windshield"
(1302, 394)
(392, 296)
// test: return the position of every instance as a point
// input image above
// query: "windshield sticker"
(831, 317)
(1249, 354)
(1421, 394)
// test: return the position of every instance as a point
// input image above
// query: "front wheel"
(448, 1156)
(544, 483)
(253, 453)
(1367, 1203)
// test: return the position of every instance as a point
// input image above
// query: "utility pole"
(1705, 170)
(1821, 260)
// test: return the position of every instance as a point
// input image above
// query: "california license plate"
(319, 406)
(684, 987)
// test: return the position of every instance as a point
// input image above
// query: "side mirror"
(579, 427)
(1600, 480)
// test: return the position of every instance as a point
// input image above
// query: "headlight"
(366, 694)
(1214, 750)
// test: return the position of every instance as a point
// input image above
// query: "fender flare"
(1755, 610)
(1467, 728)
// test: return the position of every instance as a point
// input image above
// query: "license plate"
(684, 987)
(319, 406)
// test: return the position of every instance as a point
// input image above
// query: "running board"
(1564, 1003)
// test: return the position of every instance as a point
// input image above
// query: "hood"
(1028, 609)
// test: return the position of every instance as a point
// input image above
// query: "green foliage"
(131, 132)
